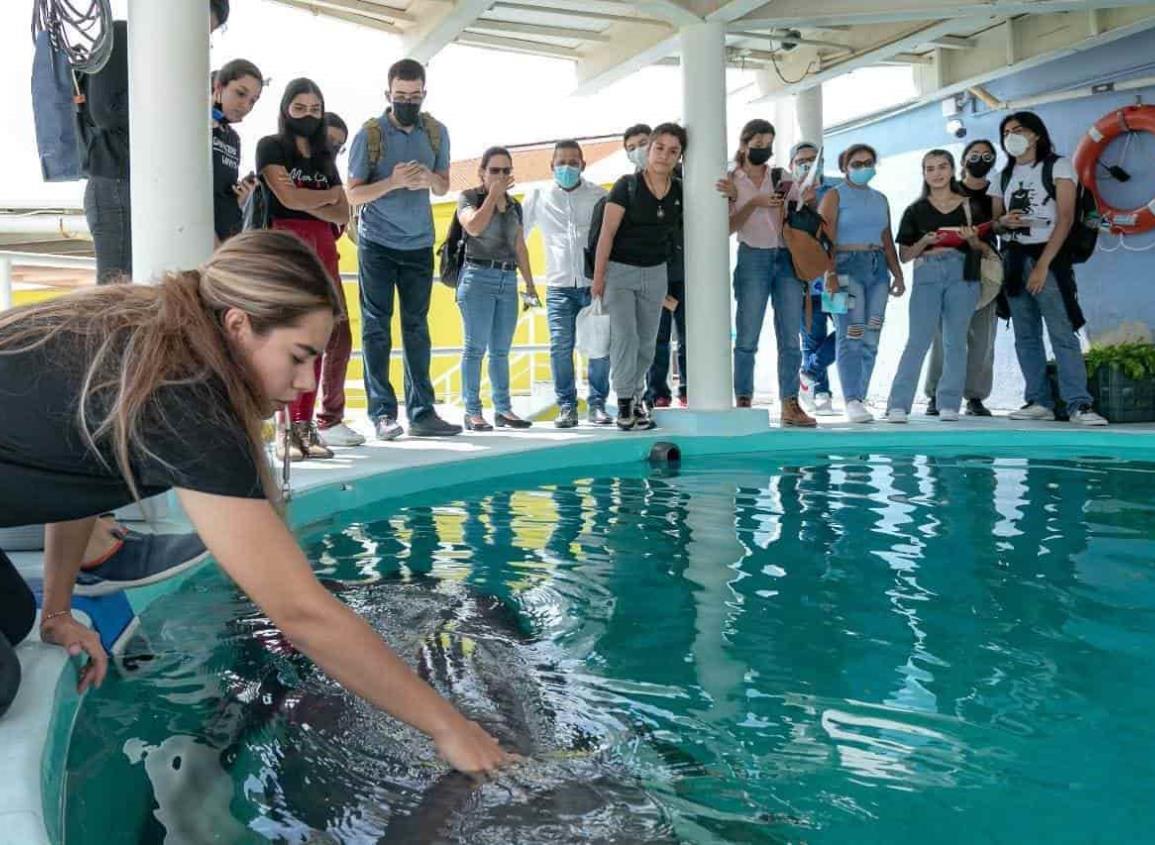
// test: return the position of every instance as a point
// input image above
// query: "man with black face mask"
(978, 159)
(395, 161)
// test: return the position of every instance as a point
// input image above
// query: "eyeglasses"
(860, 165)
(399, 99)
(297, 110)
(989, 158)
(499, 171)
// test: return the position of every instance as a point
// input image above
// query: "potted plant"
(1121, 379)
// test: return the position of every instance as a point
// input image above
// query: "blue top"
(402, 219)
(862, 215)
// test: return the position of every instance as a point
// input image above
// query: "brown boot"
(793, 415)
(295, 446)
(310, 439)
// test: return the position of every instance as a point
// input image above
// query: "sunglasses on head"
(499, 171)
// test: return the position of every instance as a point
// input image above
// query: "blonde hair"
(140, 338)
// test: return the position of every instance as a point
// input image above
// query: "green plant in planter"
(1136, 360)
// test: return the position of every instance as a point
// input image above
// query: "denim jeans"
(940, 297)
(410, 274)
(487, 298)
(818, 345)
(657, 381)
(980, 357)
(860, 328)
(562, 307)
(109, 213)
(1028, 314)
(767, 275)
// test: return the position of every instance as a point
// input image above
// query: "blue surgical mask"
(862, 176)
(567, 176)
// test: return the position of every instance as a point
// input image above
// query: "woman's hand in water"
(468, 748)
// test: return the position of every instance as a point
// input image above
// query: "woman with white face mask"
(1034, 202)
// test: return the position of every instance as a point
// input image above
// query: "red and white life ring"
(1098, 137)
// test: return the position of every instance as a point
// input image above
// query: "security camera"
(956, 127)
(787, 44)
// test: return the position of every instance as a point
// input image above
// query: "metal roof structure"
(792, 44)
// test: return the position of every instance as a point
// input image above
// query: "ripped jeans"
(860, 328)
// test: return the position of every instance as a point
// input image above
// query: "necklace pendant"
(661, 213)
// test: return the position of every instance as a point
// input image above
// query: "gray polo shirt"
(402, 219)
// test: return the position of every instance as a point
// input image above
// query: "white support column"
(168, 67)
(706, 219)
(5, 282)
(808, 114)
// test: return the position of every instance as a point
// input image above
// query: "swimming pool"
(858, 647)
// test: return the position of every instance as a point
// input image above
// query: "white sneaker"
(948, 415)
(856, 412)
(341, 435)
(823, 406)
(1032, 412)
(896, 415)
(806, 393)
(1087, 416)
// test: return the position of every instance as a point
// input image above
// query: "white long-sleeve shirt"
(564, 219)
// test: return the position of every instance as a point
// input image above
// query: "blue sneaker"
(141, 559)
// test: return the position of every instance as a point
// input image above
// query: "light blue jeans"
(761, 276)
(1028, 314)
(860, 328)
(940, 296)
(488, 302)
(562, 307)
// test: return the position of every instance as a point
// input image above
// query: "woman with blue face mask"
(866, 262)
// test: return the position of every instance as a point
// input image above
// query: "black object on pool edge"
(665, 453)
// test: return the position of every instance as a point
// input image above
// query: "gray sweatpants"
(634, 297)
(980, 356)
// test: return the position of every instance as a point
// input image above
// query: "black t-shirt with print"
(922, 217)
(650, 227)
(48, 473)
(227, 217)
(314, 173)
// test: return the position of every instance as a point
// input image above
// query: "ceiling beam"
(516, 45)
(670, 11)
(630, 52)
(808, 13)
(736, 10)
(575, 10)
(378, 11)
(899, 45)
(349, 17)
(531, 29)
(952, 42)
(439, 29)
(785, 38)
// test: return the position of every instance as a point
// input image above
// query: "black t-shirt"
(982, 203)
(48, 473)
(104, 116)
(650, 227)
(227, 217)
(922, 217)
(315, 173)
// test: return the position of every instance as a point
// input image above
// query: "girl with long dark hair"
(307, 199)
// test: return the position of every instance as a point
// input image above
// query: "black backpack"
(451, 254)
(599, 214)
(1084, 235)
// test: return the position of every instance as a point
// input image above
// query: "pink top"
(763, 228)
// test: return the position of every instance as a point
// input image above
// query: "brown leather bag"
(811, 250)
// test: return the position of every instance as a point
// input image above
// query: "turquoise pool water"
(852, 648)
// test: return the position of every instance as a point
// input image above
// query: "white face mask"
(1016, 145)
(639, 156)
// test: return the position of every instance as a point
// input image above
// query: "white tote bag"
(593, 330)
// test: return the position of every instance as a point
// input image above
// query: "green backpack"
(375, 146)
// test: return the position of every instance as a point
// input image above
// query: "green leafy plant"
(1136, 360)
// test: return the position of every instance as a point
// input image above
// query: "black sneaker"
(976, 408)
(932, 408)
(598, 415)
(642, 419)
(625, 418)
(566, 418)
(388, 428)
(431, 425)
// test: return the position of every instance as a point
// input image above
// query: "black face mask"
(758, 156)
(407, 113)
(306, 127)
(980, 168)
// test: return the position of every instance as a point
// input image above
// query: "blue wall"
(1114, 286)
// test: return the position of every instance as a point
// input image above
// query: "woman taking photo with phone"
(940, 234)
(141, 389)
(491, 221)
(765, 273)
(859, 217)
(307, 199)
